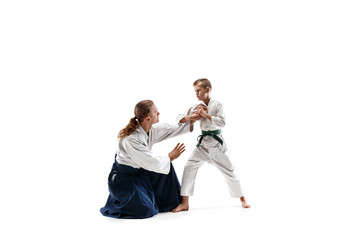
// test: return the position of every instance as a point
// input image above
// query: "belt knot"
(213, 134)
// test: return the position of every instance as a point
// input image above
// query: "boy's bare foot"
(244, 203)
(181, 207)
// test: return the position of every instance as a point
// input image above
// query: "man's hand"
(193, 117)
(177, 151)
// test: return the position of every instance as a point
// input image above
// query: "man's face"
(154, 114)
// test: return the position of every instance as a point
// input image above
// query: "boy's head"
(202, 89)
(204, 82)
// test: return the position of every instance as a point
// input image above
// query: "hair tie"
(135, 118)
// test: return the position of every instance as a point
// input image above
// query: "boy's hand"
(203, 113)
(177, 151)
(194, 117)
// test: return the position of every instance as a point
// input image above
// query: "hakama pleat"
(138, 193)
(166, 189)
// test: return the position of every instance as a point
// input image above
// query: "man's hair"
(204, 82)
(142, 109)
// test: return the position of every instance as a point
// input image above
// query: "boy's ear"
(207, 89)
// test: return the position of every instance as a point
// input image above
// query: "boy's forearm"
(208, 116)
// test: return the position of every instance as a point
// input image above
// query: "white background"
(287, 72)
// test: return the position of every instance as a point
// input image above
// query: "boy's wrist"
(208, 116)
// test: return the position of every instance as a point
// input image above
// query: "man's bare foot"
(244, 203)
(181, 207)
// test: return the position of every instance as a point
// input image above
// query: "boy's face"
(201, 92)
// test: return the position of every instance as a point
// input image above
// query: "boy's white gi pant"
(213, 152)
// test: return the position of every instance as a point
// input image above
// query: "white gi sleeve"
(164, 131)
(145, 158)
(219, 119)
(188, 112)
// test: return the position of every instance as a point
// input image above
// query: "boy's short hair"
(204, 82)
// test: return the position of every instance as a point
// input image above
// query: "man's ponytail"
(142, 109)
(132, 126)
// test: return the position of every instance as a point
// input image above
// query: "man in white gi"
(142, 184)
(211, 147)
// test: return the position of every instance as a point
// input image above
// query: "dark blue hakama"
(139, 193)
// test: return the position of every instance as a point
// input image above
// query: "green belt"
(210, 133)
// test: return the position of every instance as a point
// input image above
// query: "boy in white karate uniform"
(211, 147)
